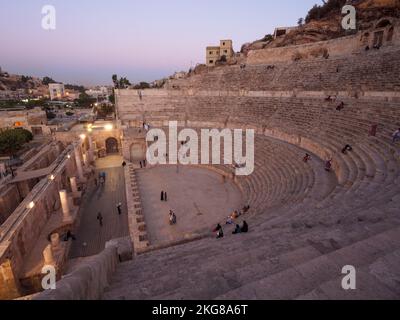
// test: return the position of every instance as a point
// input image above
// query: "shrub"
(319, 52)
(12, 140)
(318, 12)
(297, 56)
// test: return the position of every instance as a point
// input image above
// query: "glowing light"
(52, 177)
(89, 129)
(83, 136)
(31, 205)
(108, 127)
(69, 156)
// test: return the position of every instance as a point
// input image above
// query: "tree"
(267, 37)
(115, 81)
(300, 22)
(318, 12)
(106, 109)
(75, 87)
(111, 98)
(84, 100)
(124, 83)
(47, 80)
(12, 140)
(142, 85)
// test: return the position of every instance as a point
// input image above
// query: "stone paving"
(91, 237)
(199, 198)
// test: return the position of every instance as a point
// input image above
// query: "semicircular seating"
(305, 223)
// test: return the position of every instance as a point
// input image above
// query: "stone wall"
(9, 200)
(88, 281)
(20, 232)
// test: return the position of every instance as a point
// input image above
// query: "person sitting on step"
(245, 227)
(346, 148)
(245, 209)
(229, 220)
(235, 215)
(372, 131)
(306, 158)
(328, 165)
(340, 106)
(219, 231)
(237, 230)
(396, 136)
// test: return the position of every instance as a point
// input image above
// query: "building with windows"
(214, 53)
(57, 90)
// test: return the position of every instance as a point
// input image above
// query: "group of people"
(238, 229)
(328, 163)
(231, 220)
(143, 163)
(164, 196)
(236, 214)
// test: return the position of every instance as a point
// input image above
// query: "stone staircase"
(260, 265)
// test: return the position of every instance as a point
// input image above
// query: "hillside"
(326, 24)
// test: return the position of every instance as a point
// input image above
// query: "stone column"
(48, 256)
(79, 164)
(91, 149)
(65, 206)
(74, 186)
(86, 159)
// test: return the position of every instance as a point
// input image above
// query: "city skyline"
(140, 41)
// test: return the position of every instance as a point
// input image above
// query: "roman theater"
(306, 223)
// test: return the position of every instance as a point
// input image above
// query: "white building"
(99, 93)
(57, 90)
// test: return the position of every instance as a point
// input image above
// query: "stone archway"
(137, 152)
(112, 146)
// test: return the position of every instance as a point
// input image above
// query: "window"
(225, 51)
(223, 43)
(211, 52)
(211, 61)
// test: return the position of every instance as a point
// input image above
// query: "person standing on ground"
(162, 195)
(119, 208)
(100, 218)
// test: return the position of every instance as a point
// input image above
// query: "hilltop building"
(214, 53)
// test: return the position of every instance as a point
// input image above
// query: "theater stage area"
(199, 197)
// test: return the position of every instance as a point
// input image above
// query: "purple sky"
(142, 40)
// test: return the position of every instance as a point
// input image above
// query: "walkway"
(91, 237)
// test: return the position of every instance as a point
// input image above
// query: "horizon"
(140, 41)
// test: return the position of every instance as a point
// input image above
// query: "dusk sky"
(142, 40)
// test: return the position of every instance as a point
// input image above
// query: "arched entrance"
(137, 152)
(112, 146)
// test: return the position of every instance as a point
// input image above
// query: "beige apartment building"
(215, 53)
